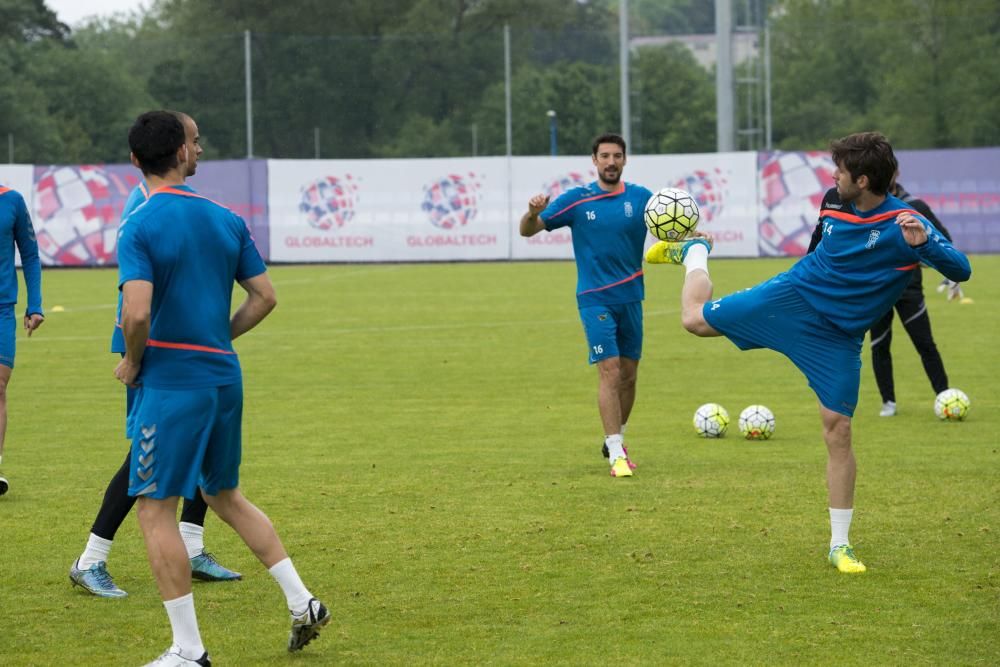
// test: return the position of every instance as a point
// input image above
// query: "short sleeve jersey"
(608, 239)
(864, 263)
(192, 250)
(136, 198)
(16, 230)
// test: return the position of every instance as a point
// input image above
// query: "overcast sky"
(72, 12)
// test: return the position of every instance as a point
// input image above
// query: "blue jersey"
(136, 198)
(863, 264)
(16, 229)
(608, 239)
(192, 250)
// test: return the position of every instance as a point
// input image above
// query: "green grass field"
(425, 438)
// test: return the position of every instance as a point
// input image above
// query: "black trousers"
(913, 312)
(117, 504)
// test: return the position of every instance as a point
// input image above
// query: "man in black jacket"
(911, 308)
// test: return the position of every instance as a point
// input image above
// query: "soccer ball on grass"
(711, 420)
(757, 423)
(671, 214)
(951, 405)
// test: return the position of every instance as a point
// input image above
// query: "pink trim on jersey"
(848, 217)
(185, 346)
(620, 189)
(3, 190)
(143, 190)
(909, 267)
(170, 190)
(620, 282)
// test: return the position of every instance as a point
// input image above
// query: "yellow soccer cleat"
(673, 252)
(620, 468)
(842, 557)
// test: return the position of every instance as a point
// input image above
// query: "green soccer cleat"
(621, 468)
(205, 567)
(673, 252)
(842, 557)
(95, 580)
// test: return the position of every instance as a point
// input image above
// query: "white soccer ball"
(711, 420)
(671, 214)
(756, 422)
(951, 405)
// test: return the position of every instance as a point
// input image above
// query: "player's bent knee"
(694, 322)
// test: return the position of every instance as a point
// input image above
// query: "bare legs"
(616, 391)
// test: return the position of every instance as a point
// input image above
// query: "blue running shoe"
(95, 580)
(205, 567)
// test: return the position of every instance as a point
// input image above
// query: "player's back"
(192, 250)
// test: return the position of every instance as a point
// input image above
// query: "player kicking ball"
(817, 312)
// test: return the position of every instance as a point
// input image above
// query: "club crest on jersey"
(872, 239)
(628, 209)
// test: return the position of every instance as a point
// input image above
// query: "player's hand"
(126, 372)
(32, 322)
(914, 231)
(537, 204)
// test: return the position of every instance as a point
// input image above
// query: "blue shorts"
(8, 333)
(613, 331)
(183, 439)
(772, 315)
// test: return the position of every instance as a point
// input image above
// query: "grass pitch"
(426, 440)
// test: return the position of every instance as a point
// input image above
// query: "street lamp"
(552, 132)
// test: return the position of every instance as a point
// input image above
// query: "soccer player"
(90, 569)
(15, 225)
(817, 312)
(179, 256)
(911, 307)
(608, 238)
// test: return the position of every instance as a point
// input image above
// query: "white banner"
(388, 210)
(462, 208)
(19, 177)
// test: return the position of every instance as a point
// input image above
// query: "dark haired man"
(817, 312)
(608, 237)
(185, 425)
(911, 307)
(89, 571)
(15, 225)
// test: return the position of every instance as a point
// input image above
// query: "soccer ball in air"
(671, 214)
(951, 405)
(711, 420)
(757, 423)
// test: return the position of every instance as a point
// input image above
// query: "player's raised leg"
(308, 614)
(841, 471)
(697, 290)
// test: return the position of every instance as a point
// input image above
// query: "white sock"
(840, 525)
(614, 443)
(295, 591)
(696, 258)
(97, 550)
(623, 430)
(194, 538)
(184, 623)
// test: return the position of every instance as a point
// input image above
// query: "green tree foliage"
(395, 78)
(673, 102)
(925, 72)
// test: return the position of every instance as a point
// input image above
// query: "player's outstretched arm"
(531, 224)
(935, 251)
(260, 301)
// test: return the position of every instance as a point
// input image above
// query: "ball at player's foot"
(3, 486)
